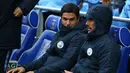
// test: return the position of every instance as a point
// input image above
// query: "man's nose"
(68, 22)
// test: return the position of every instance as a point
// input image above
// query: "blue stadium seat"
(52, 25)
(122, 36)
(53, 22)
(28, 33)
(125, 51)
(32, 19)
(39, 46)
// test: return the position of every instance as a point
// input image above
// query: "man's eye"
(65, 19)
(71, 19)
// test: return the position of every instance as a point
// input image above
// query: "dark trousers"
(3, 59)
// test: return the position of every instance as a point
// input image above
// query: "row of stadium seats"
(52, 25)
(26, 55)
(28, 34)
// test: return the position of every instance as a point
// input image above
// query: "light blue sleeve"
(55, 3)
(93, 1)
(43, 2)
(125, 14)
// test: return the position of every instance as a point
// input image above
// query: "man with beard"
(100, 53)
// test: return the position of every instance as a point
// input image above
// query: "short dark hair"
(70, 8)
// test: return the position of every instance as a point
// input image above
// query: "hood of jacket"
(102, 16)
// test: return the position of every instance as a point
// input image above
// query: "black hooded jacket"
(62, 54)
(100, 53)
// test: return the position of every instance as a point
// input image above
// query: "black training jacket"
(100, 53)
(63, 53)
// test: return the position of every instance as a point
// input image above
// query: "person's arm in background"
(80, 3)
(124, 13)
(25, 7)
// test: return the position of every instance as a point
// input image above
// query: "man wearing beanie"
(100, 53)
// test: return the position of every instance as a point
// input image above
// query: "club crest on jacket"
(60, 44)
(89, 51)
